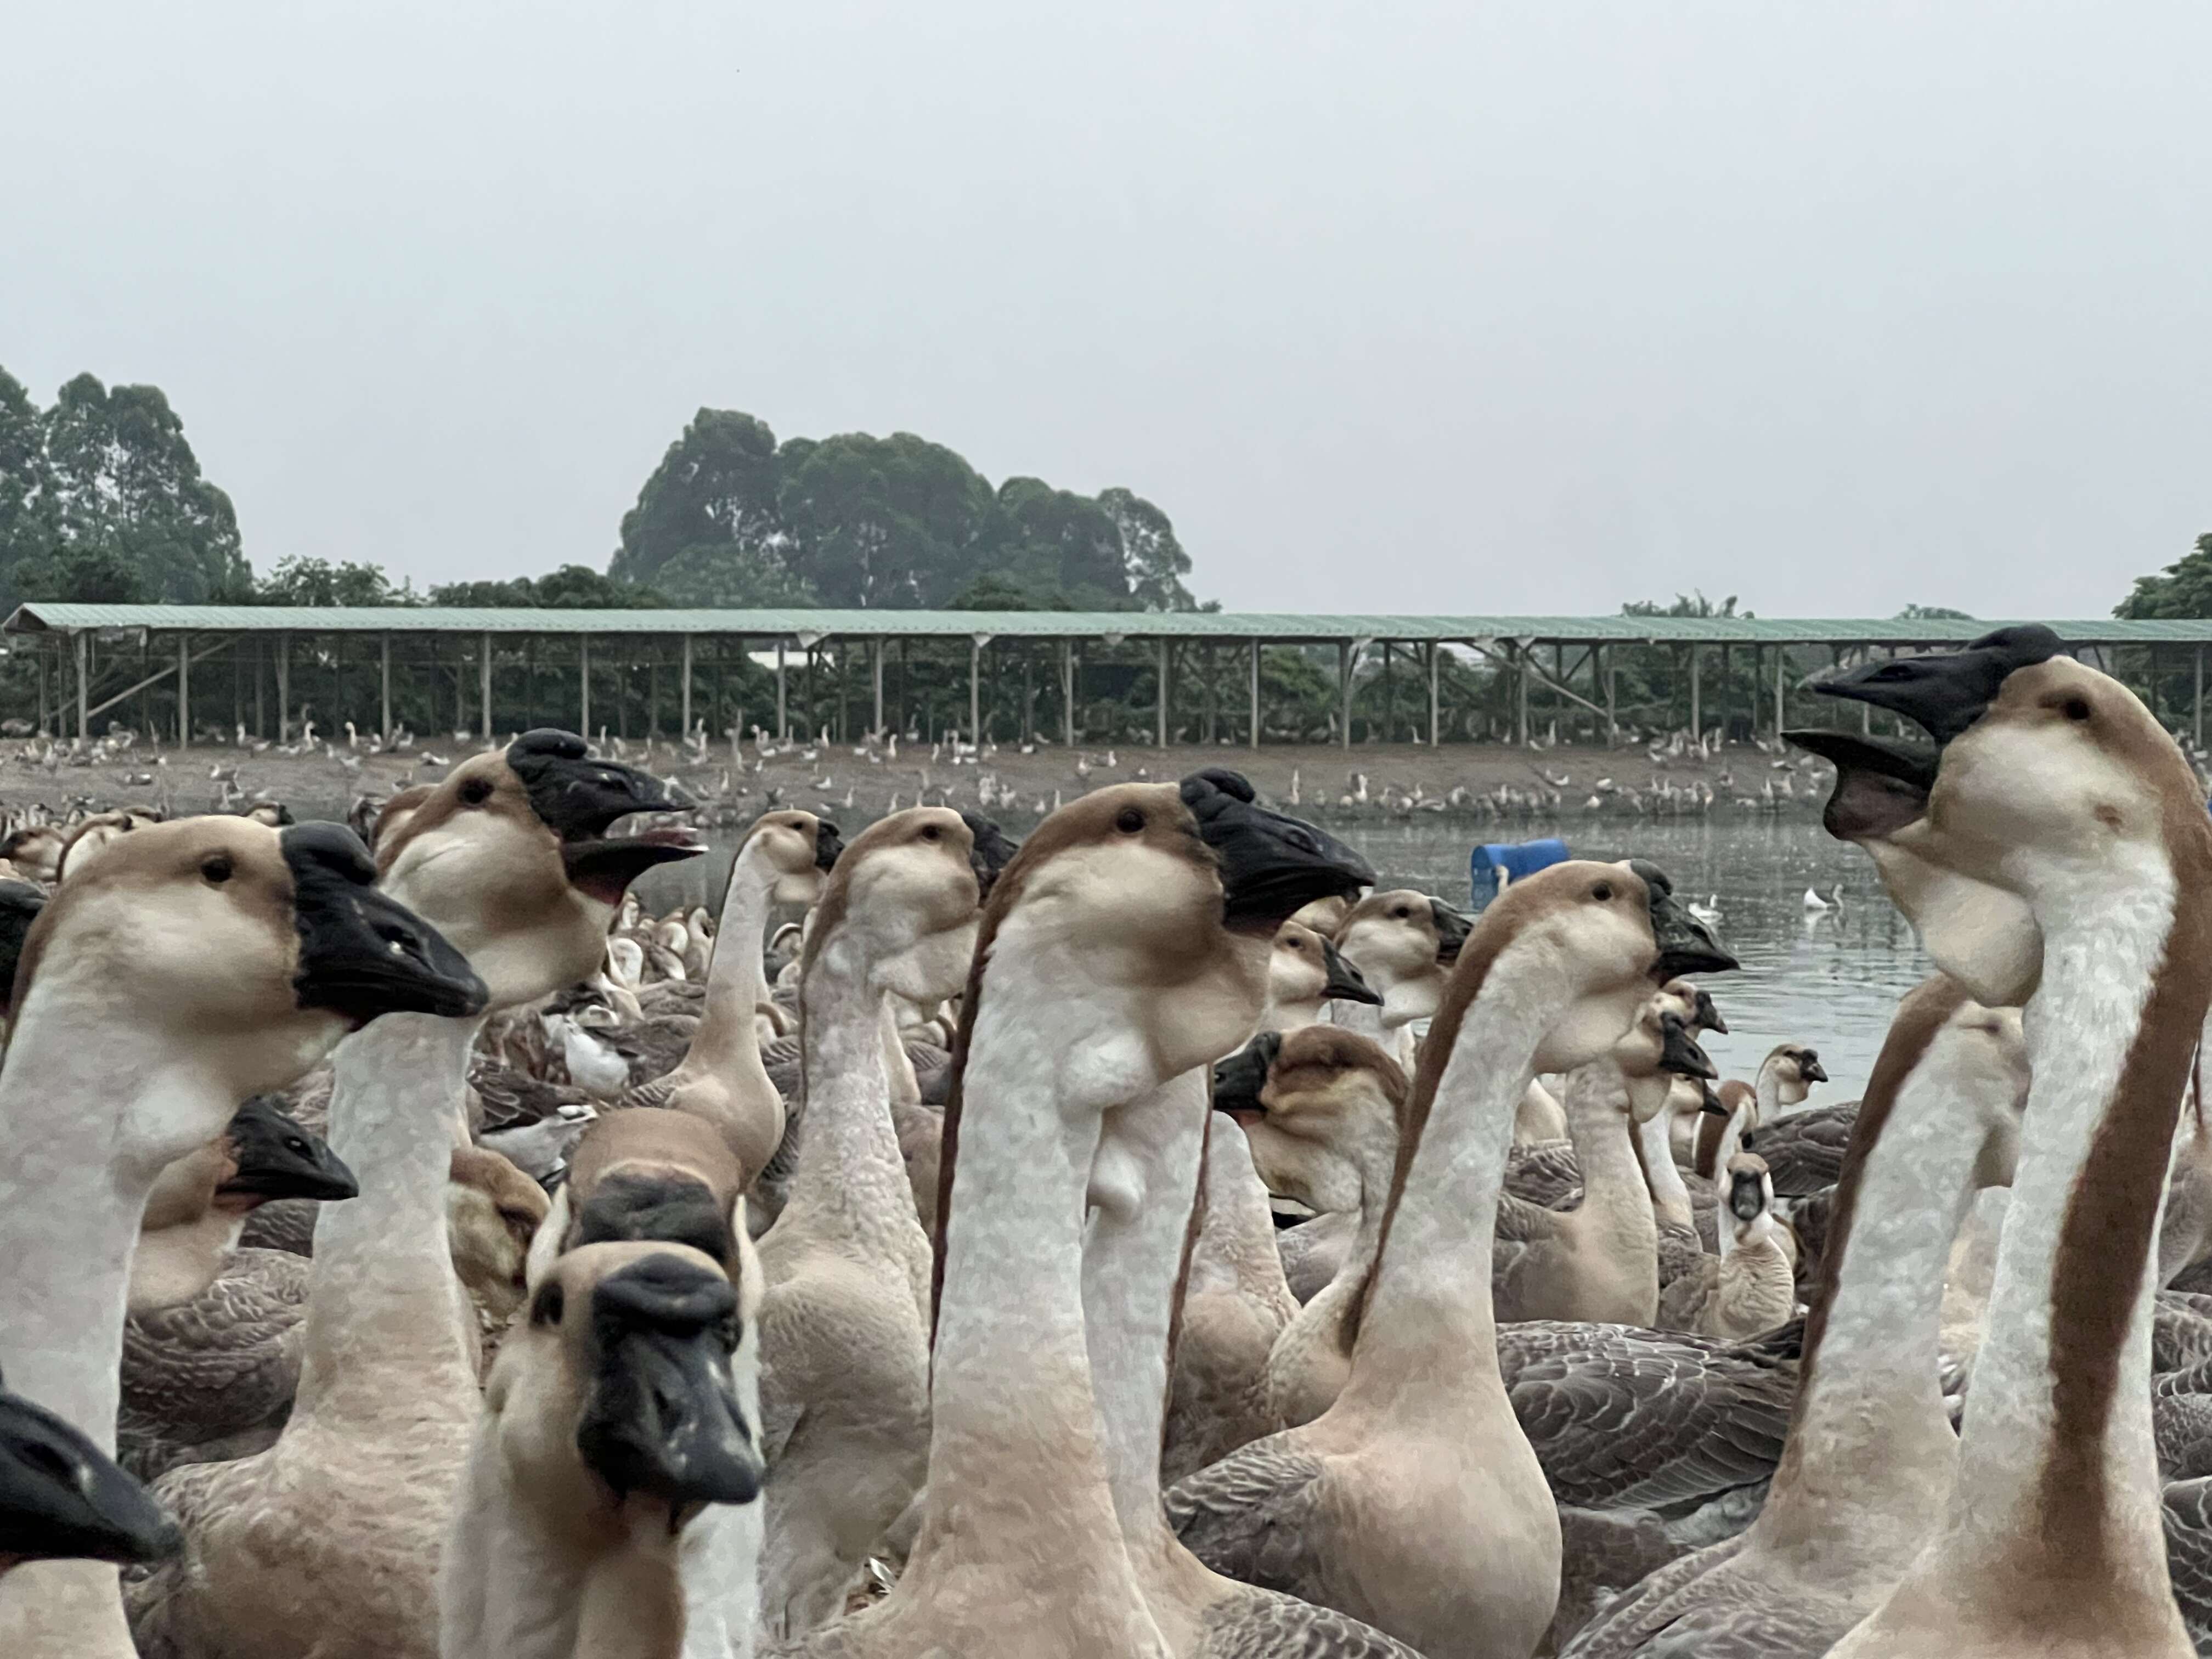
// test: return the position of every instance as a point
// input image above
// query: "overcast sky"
(1457, 306)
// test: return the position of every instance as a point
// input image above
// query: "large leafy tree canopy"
(2184, 588)
(732, 516)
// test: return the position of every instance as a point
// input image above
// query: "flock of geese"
(1149, 1240)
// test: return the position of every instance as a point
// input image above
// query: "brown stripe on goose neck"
(1912, 1029)
(1072, 825)
(1498, 926)
(2105, 1239)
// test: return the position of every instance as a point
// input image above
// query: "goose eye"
(216, 868)
(930, 832)
(2078, 709)
(1130, 821)
(1603, 892)
(1401, 913)
(474, 792)
(294, 1144)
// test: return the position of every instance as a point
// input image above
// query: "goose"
(116, 1015)
(492, 1209)
(61, 1498)
(782, 860)
(1871, 1454)
(1708, 913)
(1404, 943)
(1600, 1261)
(1814, 903)
(1805, 1151)
(1784, 1078)
(1462, 1557)
(329, 1540)
(2056, 788)
(612, 1415)
(1751, 1286)
(1305, 972)
(1322, 1109)
(199, 1204)
(844, 1340)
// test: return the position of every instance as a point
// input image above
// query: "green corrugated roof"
(809, 625)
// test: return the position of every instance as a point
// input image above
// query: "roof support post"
(83, 688)
(39, 655)
(1521, 665)
(483, 682)
(876, 668)
(283, 688)
(975, 695)
(1160, 702)
(1344, 687)
(1697, 712)
(184, 691)
(684, 698)
(1068, 692)
(385, 665)
(782, 704)
(1255, 694)
(1612, 716)
(1781, 689)
(584, 685)
(1436, 729)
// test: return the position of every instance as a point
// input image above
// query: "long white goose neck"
(2058, 1486)
(726, 1042)
(1655, 1150)
(92, 1107)
(384, 1311)
(1598, 1126)
(1012, 1411)
(1429, 1294)
(849, 1163)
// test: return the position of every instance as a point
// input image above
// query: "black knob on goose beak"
(1272, 866)
(828, 844)
(1345, 983)
(1946, 691)
(1880, 786)
(1678, 1052)
(580, 798)
(1708, 1013)
(362, 954)
(663, 1417)
(62, 1497)
(279, 1157)
(1238, 1080)
(1686, 944)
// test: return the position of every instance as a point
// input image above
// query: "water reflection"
(1829, 978)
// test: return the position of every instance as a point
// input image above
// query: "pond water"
(1831, 979)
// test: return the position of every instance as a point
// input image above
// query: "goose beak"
(828, 844)
(1746, 1197)
(60, 1497)
(1452, 929)
(277, 1157)
(1344, 982)
(19, 904)
(1272, 866)
(663, 1416)
(989, 852)
(580, 800)
(361, 953)
(1686, 944)
(1710, 1103)
(1810, 1069)
(1946, 691)
(1881, 786)
(1678, 1052)
(1708, 1016)
(1238, 1080)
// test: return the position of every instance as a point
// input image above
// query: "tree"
(712, 501)
(2183, 589)
(27, 502)
(300, 581)
(1693, 603)
(572, 588)
(878, 522)
(1933, 613)
(125, 480)
(1153, 561)
(1054, 541)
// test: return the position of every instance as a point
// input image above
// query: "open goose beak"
(1271, 866)
(279, 1157)
(1880, 786)
(1238, 1080)
(61, 1496)
(361, 953)
(580, 800)
(1678, 1052)
(1344, 982)
(663, 1415)
(1946, 691)
(1686, 944)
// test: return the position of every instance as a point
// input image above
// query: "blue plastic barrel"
(1516, 859)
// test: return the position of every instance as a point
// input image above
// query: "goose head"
(492, 1209)
(1305, 969)
(1660, 1045)
(1600, 937)
(617, 1386)
(903, 898)
(801, 848)
(1322, 1108)
(36, 851)
(510, 854)
(62, 1497)
(1401, 938)
(242, 952)
(89, 837)
(1695, 1004)
(1796, 1069)
(273, 1155)
(1750, 1194)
